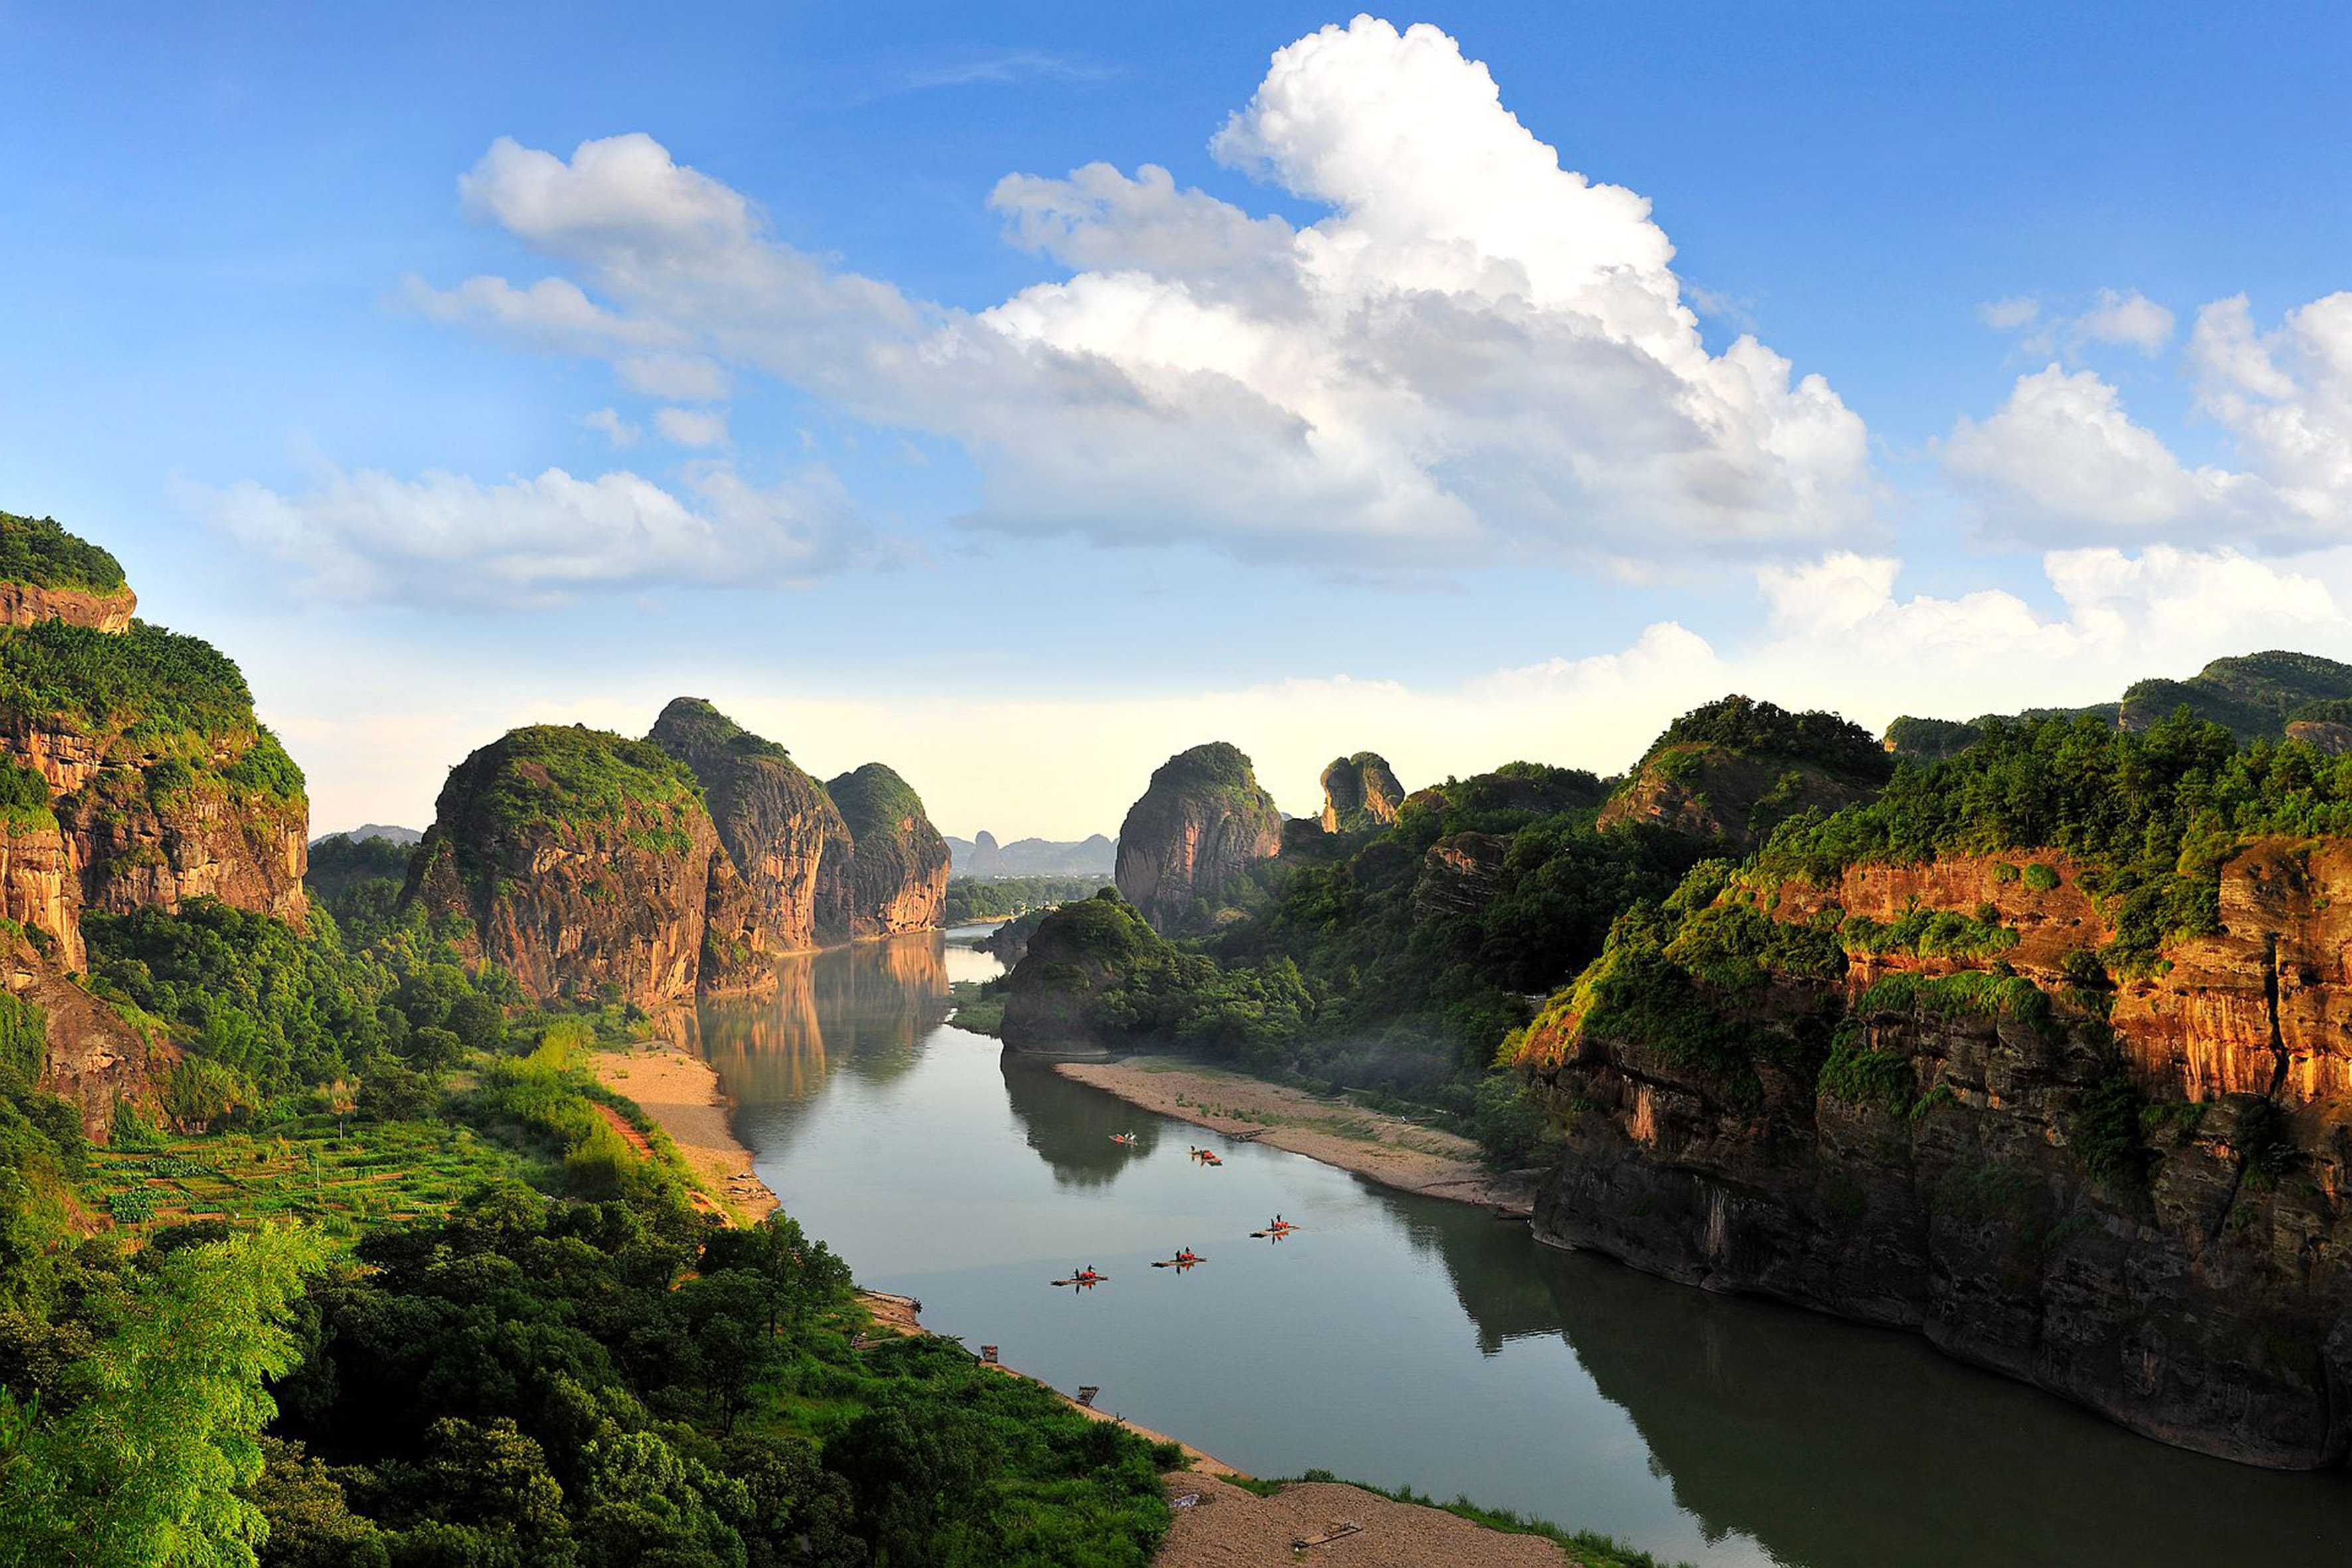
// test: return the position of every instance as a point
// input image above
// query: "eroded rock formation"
(1359, 793)
(897, 870)
(774, 819)
(1197, 830)
(587, 866)
(2149, 1213)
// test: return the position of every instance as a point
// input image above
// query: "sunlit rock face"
(2136, 1193)
(1197, 830)
(1359, 793)
(585, 865)
(774, 819)
(894, 876)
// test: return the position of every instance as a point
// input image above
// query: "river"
(1409, 1341)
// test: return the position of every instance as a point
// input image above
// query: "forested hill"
(2272, 696)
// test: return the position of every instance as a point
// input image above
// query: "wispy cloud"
(1005, 67)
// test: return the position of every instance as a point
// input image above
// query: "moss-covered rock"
(1189, 842)
(896, 864)
(587, 866)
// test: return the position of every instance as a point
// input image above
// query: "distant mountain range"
(367, 830)
(984, 856)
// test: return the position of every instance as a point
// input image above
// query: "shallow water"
(1402, 1340)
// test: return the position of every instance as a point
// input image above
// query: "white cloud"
(691, 426)
(2132, 320)
(618, 432)
(2062, 460)
(2009, 315)
(1841, 633)
(2061, 457)
(446, 539)
(1475, 355)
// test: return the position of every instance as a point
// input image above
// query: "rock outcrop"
(23, 604)
(1189, 842)
(132, 775)
(1360, 794)
(896, 868)
(774, 819)
(2148, 1212)
(1076, 954)
(587, 866)
(1732, 771)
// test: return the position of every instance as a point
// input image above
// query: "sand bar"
(681, 1092)
(1386, 1149)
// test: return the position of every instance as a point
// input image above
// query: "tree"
(146, 1468)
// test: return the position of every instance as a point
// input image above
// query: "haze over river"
(1408, 1341)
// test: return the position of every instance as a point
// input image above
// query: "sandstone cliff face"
(774, 819)
(94, 1059)
(1459, 875)
(1201, 825)
(897, 871)
(2331, 738)
(1359, 793)
(586, 865)
(23, 603)
(2197, 1289)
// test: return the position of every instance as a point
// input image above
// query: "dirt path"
(1224, 1526)
(1380, 1148)
(681, 1093)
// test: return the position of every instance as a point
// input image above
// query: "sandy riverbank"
(680, 1091)
(1380, 1148)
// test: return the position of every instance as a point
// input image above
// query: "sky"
(1021, 394)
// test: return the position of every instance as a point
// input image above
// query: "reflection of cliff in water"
(1070, 1125)
(1486, 1262)
(1758, 1413)
(864, 1007)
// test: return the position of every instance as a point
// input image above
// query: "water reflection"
(864, 1009)
(1071, 1126)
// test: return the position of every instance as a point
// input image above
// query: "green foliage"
(1745, 724)
(1978, 993)
(575, 778)
(142, 1461)
(278, 1007)
(148, 692)
(874, 802)
(611, 1385)
(1508, 1127)
(1860, 1074)
(1930, 739)
(25, 800)
(1928, 933)
(2041, 878)
(2107, 1132)
(36, 551)
(2151, 815)
(969, 898)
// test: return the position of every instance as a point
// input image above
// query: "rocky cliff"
(1187, 844)
(774, 819)
(896, 868)
(1076, 956)
(587, 866)
(1912, 1097)
(132, 773)
(1359, 793)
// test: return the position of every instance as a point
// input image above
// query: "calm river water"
(1402, 1340)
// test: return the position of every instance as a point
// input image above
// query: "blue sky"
(1025, 517)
